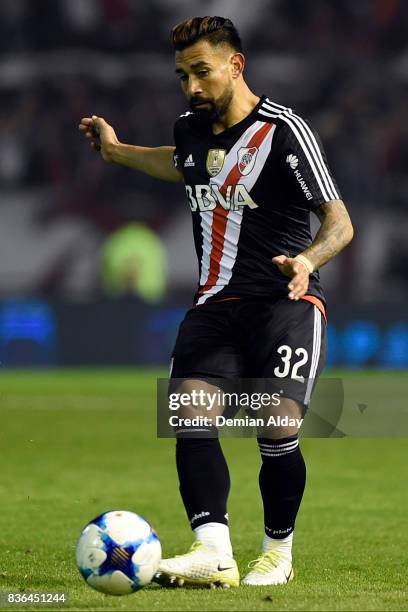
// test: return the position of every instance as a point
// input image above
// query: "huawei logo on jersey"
(293, 161)
(246, 159)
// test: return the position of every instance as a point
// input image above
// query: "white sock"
(283, 546)
(215, 535)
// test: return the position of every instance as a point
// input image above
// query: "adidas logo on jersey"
(189, 161)
(293, 161)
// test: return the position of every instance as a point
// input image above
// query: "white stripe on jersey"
(229, 254)
(317, 339)
(234, 217)
(207, 216)
(311, 139)
(305, 150)
(232, 156)
(303, 126)
(308, 143)
(206, 225)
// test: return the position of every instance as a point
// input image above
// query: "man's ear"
(237, 63)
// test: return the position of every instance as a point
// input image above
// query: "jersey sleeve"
(176, 154)
(179, 133)
(304, 163)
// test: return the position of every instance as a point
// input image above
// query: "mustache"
(194, 101)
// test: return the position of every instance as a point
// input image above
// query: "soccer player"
(253, 171)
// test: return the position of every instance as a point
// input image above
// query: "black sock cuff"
(278, 448)
(194, 433)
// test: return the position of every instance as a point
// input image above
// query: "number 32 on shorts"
(290, 365)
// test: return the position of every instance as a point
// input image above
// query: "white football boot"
(202, 565)
(269, 569)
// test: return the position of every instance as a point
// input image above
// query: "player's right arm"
(154, 161)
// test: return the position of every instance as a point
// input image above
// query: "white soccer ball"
(118, 553)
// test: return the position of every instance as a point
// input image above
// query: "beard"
(205, 117)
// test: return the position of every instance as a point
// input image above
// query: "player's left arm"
(335, 233)
(310, 183)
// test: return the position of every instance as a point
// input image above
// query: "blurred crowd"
(342, 64)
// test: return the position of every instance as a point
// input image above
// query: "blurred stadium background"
(76, 287)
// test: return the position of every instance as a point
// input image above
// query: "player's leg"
(282, 479)
(293, 364)
(204, 350)
(204, 488)
(202, 468)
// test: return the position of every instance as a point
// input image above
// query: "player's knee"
(282, 421)
(278, 432)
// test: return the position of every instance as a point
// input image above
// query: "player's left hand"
(298, 274)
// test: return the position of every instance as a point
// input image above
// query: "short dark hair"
(217, 30)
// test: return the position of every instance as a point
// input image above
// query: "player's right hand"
(102, 135)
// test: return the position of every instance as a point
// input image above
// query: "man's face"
(205, 73)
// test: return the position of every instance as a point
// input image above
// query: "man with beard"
(253, 171)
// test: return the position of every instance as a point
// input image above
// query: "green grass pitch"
(78, 443)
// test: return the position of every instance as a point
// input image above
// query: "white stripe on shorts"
(317, 341)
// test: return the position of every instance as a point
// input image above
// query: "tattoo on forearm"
(335, 232)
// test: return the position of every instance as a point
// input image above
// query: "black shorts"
(278, 340)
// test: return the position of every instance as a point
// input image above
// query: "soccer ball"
(118, 553)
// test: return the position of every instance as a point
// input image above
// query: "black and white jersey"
(251, 189)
